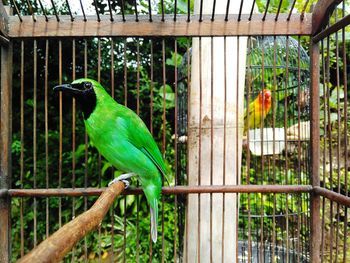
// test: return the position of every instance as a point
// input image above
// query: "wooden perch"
(56, 246)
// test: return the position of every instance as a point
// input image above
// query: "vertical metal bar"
(164, 135)
(162, 8)
(73, 138)
(136, 12)
(138, 113)
(200, 148)
(150, 10)
(299, 158)
(60, 133)
(228, 9)
(5, 146)
(237, 139)
(69, 11)
(86, 141)
(99, 164)
(249, 87)
(213, 11)
(111, 17)
(278, 10)
(22, 146)
(201, 11)
(175, 148)
(82, 10)
(345, 139)
(261, 245)
(240, 10)
(274, 108)
(315, 153)
(31, 11)
(338, 138)
(324, 148)
(175, 10)
(55, 10)
(47, 134)
(224, 154)
(125, 103)
(35, 69)
(18, 12)
(304, 9)
(43, 10)
(286, 142)
(251, 11)
(151, 128)
(330, 146)
(122, 10)
(151, 87)
(138, 76)
(211, 137)
(97, 13)
(187, 148)
(291, 10)
(188, 10)
(266, 8)
(125, 76)
(113, 170)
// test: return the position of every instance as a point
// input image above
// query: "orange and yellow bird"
(258, 109)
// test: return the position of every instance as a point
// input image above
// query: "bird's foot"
(123, 178)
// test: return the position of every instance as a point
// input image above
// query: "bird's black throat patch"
(87, 101)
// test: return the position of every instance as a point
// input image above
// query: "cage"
(244, 186)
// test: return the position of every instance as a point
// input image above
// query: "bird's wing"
(139, 135)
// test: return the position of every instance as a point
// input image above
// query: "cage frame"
(312, 25)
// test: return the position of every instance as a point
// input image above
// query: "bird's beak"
(67, 88)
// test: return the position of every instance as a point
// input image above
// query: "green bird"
(122, 138)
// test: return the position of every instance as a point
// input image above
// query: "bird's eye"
(87, 85)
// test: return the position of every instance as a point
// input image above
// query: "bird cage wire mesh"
(57, 173)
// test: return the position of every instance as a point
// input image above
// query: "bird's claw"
(122, 178)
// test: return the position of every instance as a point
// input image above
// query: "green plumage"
(124, 140)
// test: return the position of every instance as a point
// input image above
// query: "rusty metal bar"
(35, 73)
(46, 113)
(5, 147)
(291, 10)
(158, 28)
(333, 196)
(342, 23)
(167, 190)
(22, 148)
(345, 139)
(17, 10)
(164, 128)
(315, 153)
(83, 11)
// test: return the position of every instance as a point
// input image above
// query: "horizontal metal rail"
(200, 189)
(158, 28)
(331, 195)
(332, 29)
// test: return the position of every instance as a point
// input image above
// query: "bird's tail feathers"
(154, 220)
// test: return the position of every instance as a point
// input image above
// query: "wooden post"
(315, 153)
(5, 151)
(215, 140)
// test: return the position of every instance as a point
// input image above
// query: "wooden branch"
(55, 247)
(168, 28)
(320, 14)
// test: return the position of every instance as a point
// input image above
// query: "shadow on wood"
(56, 246)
